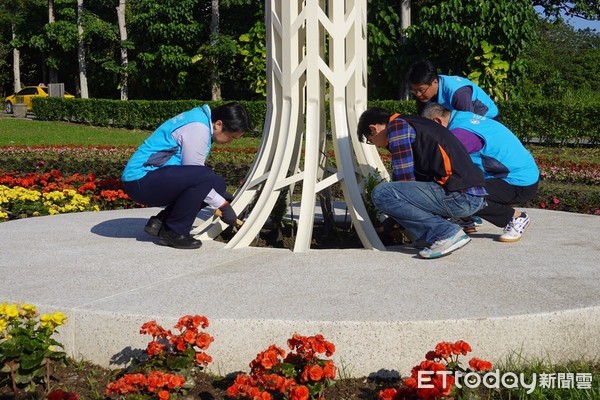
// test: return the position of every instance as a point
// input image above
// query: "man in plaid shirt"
(433, 179)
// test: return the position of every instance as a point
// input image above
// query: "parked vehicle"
(24, 96)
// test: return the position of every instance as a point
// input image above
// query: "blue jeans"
(422, 208)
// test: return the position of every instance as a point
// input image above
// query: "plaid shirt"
(401, 136)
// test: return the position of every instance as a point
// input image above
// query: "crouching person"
(168, 170)
(433, 179)
(509, 168)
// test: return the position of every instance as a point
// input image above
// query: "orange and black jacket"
(439, 156)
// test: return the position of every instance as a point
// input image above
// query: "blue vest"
(448, 85)
(160, 149)
(503, 155)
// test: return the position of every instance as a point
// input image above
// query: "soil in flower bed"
(342, 236)
(89, 382)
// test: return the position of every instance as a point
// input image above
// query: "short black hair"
(234, 117)
(422, 72)
(370, 117)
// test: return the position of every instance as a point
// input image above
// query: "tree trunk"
(16, 64)
(51, 20)
(124, 59)
(404, 89)
(215, 86)
(81, 52)
(405, 14)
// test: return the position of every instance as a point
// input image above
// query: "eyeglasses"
(421, 91)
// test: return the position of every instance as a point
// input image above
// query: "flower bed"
(173, 360)
(48, 180)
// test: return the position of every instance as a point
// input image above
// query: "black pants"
(181, 188)
(501, 197)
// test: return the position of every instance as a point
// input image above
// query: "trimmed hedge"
(133, 114)
(547, 122)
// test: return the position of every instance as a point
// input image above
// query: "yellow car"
(24, 96)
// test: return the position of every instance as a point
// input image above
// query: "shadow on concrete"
(132, 228)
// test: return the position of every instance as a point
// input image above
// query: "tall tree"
(453, 32)
(561, 61)
(51, 20)
(167, 34)
(124, 58)
(385, 37)
(83, 86)
(215, 86)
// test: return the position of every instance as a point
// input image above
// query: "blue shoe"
(445, 246)
(477, 220)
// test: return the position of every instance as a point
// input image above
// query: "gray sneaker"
(515, 228)
(445, 246)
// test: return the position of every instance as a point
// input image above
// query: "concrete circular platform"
(539, 297)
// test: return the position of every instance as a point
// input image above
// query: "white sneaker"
(515, 228)
(445, 246)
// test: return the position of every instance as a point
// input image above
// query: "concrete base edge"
(363, 348)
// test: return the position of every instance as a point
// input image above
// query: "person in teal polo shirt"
(168, 170)
(509, 168)
(453, 92)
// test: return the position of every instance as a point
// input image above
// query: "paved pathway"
(539, 297)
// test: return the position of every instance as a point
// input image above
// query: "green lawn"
(28, 132)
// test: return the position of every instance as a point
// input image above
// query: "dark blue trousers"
(501, 198)
(181, 188)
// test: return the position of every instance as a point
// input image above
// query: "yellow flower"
(28, 309)
(11, 311)
(53, 320)
(59, 318)
(3, 324)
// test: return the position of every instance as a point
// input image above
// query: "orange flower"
(155, 348)
(329, 370)
(200, 321)
(164, 395)
(387, 394)
(461, 347)
(203, 340)
(443, 349)
(189, 336)
(315, 373)
(202, 358)
(299, 393)
(478, 364)
(175, 381)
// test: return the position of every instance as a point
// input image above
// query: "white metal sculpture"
(316, 50)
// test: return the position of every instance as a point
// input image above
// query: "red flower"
(299, 393)
(478, 364)
(387, 394)
(329, 370)
(461, 347)
(203, 340)
(202, 359)
(60, 394)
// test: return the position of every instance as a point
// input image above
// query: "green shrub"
(546, 121)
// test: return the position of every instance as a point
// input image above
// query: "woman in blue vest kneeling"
(168, 170)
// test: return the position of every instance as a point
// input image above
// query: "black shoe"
(153, 226)
(173, 239)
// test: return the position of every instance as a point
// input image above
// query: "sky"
(577, 23)
(580, 23)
